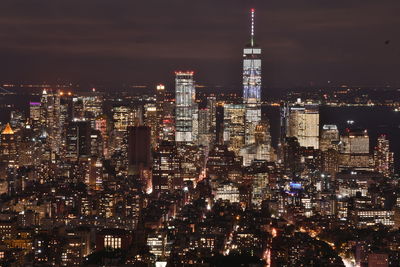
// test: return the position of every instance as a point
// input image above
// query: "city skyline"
(187, 174)
(305, 43)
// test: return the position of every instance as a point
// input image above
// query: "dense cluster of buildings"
(175, 179)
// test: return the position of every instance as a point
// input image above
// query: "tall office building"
(34, 111)
(204, 121)
(92, 104)
(50, 118)
(330, 161)
(8, 146)
(101, 125)
(124, 116)
(252, 85)
(151, 120)
(78, 140)
(302, 122)
(383, 158)
(219, 124)
(195, 123)
(204, 127)
(168, 121)
(96, 143)
(78, 109)
(291, 155)
(166, 168)
(234, 126)
(261, 149)
(185, 95)
(160, 100)
(212, 111)
(139, 155)
(329, 136)
(354, 150)
(355, 141)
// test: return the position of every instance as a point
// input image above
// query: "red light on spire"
(184, 72)
(253, 10)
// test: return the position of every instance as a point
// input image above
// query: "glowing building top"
(252, 68)
(7, 130)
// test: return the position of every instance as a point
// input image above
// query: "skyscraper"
(124, 116)
(302, 122)
(168, 121)
(251, 85)
(291, 155)
(92, 104)
(34, 111)
(160, 99)
(101, 125)
(234, 128)
(329, 135)
(151, 120)
(383, 158)
(204, 121)
(166, 168)
(139, 155)
(204, 127)
(261, 149)
(212, 107)
(50, 118)
(354, 150)
(8, 147)
(185, 95)
(78, 140)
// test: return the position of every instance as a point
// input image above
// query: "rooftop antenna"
(252, 26)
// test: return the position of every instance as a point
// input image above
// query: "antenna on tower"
(252, 26)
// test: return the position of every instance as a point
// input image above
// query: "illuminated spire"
(252, 26)
(7, 130)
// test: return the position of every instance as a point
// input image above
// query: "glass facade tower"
(185, 95)
(252, 85)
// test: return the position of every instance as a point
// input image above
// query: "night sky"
(305, 42)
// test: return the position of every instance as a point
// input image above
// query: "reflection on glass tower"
(252, 84)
